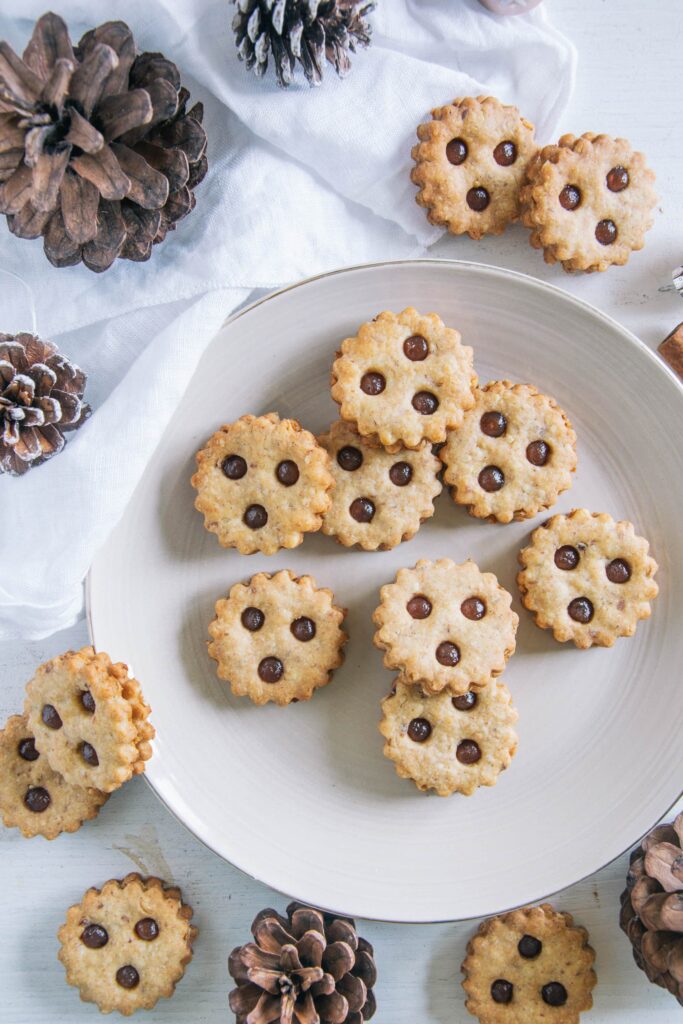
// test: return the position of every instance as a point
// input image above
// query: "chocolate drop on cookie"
(567, 557)
(538, 453)
(252, 619)
(617, 179)
(372, 383)
(465, 702)
(94, 936)
(529, 947)
(303, 629)
(147, 929)
(570, 197)
(89, 755)
(448, 654)
(493, 424)
(401, 473)
(580, 609)
(88, 702)
(478, 199)
(456, 151)
(416, 348)
(37, 799)
(234, 467)
(287, 473)
(362, 510)
(425, 403)
(505, 153)
(473, 608)
(50, 717)
(255, 517)
(271, 670)
(554, 993)
(606, 232)
(618, 571)
(349, 458)
(419, 607)
(468, 752)
(501, 991)
(491, 478)
(419, 730)
(128, 977)
(27, 749)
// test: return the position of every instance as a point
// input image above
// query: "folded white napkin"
(300, 181)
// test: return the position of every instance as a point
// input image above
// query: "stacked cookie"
(588, 201)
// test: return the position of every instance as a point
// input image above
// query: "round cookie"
(587, 577)
(588, 201)
(532, 964)
(33, 798)
(379, 498)
(446, 743)
(277, 638)
(404, 379)
(127, 945)
(513, 455)
(470, 164)
(446, 626)
(89, 719)
(262, 482)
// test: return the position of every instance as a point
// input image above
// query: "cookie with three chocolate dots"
(532, 964)
(261, 483)
(445, 626)
(513, 455)
(89, 719)
(33, 798)
(380, 498)
(277, 638)
(588, 201)
(403, 379)
(588, 578)
(470, 164)
(126, 945)
(446, 743)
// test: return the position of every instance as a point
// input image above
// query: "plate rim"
(494, 270)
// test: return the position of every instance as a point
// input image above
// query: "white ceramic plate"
(301, 797)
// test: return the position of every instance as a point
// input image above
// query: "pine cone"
(307, 968)
(652, 906)
(41, 397)
(307, 31)
(98, 153)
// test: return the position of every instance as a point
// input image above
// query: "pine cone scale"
(49, 44)
(80, 200)
(103, 170)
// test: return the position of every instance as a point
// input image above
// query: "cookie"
(89, 719)
(587, 577)
(262, 482)
(588, 201)
(277, 638)
(513, 455)
(126, 945)
(446, 743)
(531, 965)
(446, 626)
(404, 379)
(379, 498)
(470, 164)
(33, 798)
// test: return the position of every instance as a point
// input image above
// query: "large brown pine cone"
(306, 968)
(98, 153)
(652, 906)
(41, 397)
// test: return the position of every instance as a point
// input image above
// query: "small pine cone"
(307, 31)
(305, 968)
(41, 397)
(652, 906)
(98, 152)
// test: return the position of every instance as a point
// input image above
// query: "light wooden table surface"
(628, 84)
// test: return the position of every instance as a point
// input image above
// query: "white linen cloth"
(300, 181)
